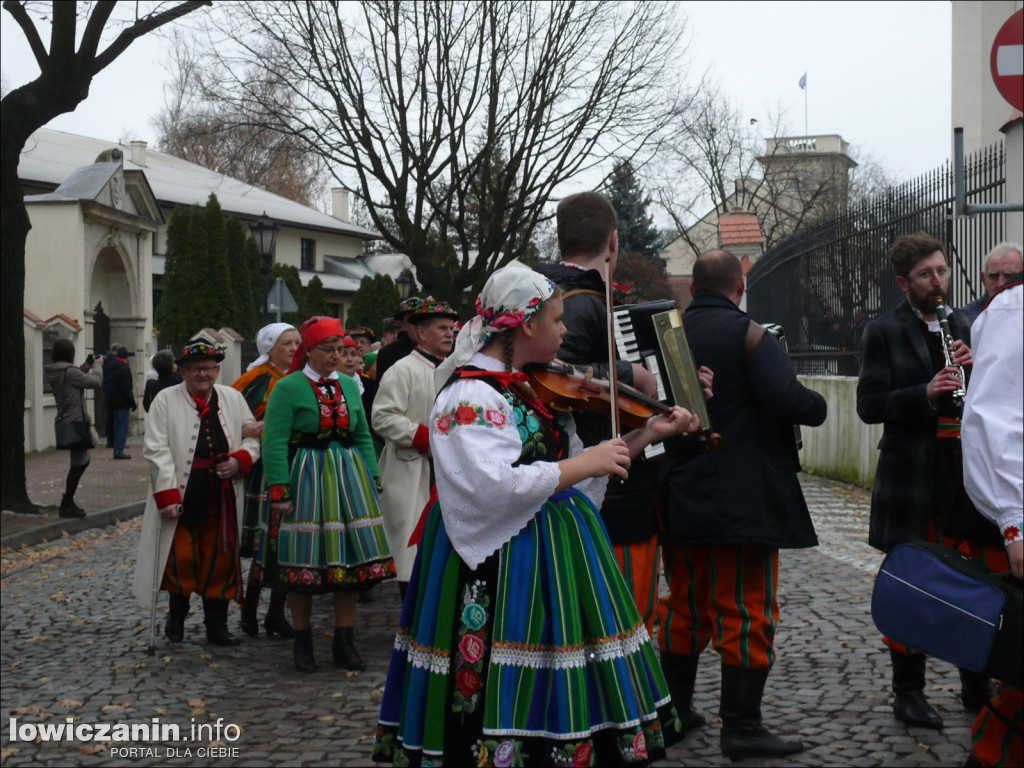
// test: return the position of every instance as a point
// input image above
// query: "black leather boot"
(909, 704)
(275, 622)
(215, 616)
(303, 651)
(68, 508)
(174, 629)
(248, 621)
(975, 689)
(345, 653)
(743, 735)
(681, 674)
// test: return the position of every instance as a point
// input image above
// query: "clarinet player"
(909, 376)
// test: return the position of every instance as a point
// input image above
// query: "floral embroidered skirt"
(333, 539)
(256, 511)
(539, 657)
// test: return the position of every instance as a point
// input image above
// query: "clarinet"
(959, 394)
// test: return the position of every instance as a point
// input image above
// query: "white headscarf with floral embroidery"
(510, 297)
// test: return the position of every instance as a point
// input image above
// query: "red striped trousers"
(723, 595)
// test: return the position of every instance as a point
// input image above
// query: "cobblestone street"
(74, 646)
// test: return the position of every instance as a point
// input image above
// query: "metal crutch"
(156, 588)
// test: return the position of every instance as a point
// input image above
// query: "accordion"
(652, 335)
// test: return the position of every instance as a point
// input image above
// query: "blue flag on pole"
(803, 81)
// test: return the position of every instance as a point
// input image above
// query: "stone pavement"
(73, 645)
(109, 491)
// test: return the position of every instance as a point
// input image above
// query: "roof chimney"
(139, 153)
(339, 204)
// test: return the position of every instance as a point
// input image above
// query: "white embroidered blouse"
(485, 501)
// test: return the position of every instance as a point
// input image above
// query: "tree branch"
(137, 30)
(17, 10)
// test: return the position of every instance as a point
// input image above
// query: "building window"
(308, 254)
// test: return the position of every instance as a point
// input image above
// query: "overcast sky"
(878, 74)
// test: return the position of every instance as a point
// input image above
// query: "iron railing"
(829, 279)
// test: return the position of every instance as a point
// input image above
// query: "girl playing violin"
(519, 643)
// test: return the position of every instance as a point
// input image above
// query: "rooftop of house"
(51, 158)
(739, 228)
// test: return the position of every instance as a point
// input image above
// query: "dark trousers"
(121, 417)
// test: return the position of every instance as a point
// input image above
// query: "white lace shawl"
(485, 501)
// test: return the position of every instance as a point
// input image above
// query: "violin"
(564, 388)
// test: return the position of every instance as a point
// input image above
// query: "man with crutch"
(197, 446)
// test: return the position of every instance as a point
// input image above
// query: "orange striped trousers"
(723, 595)
(196, 564)
(996, 742)
(638, 562)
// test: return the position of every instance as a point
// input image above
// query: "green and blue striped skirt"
(256, 510)
(539, 657)
(333, 539)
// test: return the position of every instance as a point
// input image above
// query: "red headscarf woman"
(325, 532)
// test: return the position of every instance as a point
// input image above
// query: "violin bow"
(613, 377)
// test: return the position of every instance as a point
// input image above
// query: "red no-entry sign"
(1008, 60)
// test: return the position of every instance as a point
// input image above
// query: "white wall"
(844, 447)
(55, 277)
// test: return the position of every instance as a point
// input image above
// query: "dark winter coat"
(117, 384)
(747, 492)
(912, 483)
(393, 352)
(155, 386)
(628, 510)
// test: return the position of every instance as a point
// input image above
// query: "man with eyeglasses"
(918, 493)
(1001, 264)
(201, 440)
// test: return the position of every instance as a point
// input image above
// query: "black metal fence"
(829, 279)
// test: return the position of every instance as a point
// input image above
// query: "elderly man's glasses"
(197, 369)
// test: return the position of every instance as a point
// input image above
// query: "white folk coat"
(172, 430)
(401, 410)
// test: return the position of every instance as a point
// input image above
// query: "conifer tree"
(246, 285)
(637, 233)
(211, 278)
(316, 299)
(171, 316)
(376, 298)
(218, 288)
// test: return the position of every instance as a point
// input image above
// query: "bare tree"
(235, 139)
(65, 75)
(719, 160)
(412, 103)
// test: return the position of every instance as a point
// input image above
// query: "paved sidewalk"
(73, 645)
(109, 491)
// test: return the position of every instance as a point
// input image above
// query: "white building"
(99, 215)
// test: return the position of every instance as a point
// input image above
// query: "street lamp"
(264, 236)
(405, 284)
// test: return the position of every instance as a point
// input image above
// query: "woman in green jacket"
(325, 532)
